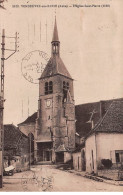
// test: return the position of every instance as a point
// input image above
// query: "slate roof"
(12, 136)
(55, 33)
(113, 119)
(55, 66)
(30, 119)
(83, 113)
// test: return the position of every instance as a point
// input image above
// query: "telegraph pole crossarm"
(16, 47)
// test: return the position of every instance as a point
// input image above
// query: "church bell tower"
(55, 132)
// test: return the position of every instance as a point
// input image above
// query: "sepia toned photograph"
(61, 96)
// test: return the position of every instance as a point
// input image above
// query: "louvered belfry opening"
(48, 88)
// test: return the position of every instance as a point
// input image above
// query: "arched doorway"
(31, 148)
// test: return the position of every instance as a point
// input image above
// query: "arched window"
(48, 87)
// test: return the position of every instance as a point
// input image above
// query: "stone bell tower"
(55, 133)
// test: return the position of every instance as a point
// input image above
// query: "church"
(54, 132)
(55, 126)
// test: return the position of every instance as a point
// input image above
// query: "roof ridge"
(10, 124)
(117, 99)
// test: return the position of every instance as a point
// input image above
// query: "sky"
(91, 49)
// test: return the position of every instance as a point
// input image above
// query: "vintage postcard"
(61, 96)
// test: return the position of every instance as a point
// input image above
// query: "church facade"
(55, 124)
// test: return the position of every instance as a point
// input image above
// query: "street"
(47, 178)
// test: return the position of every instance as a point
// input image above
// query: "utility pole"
(2, 99)
(1, 108)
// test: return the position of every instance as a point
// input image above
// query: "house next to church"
(104, 141)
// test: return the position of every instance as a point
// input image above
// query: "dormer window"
(48, 88)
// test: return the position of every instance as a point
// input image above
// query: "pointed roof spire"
(55, 65)
(55, 33)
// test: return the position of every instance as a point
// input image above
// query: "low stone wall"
(111, 174)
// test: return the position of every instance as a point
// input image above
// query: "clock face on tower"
(49, 103)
